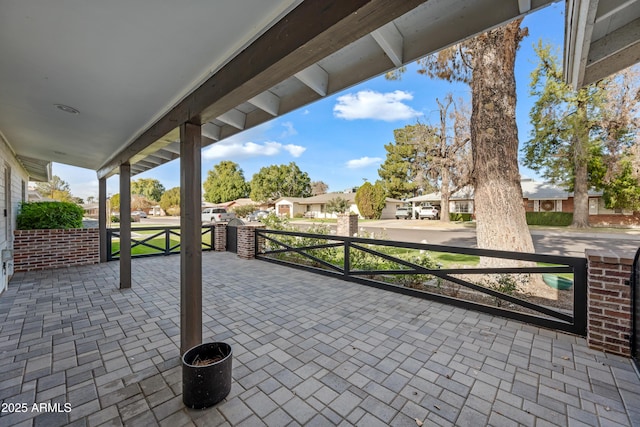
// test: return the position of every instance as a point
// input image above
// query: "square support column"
(190, 237)
(102, 218)
(125, 226)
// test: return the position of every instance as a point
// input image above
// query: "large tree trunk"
(499, 208)
(445, 194)
(581, 175)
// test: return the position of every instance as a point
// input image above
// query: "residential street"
(553, 241)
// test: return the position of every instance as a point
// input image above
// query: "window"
(461, 207)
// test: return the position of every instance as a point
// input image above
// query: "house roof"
(535, 190)
(325, 198)
(532, 190)
(99, 84)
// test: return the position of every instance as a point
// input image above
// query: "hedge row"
(561, 219)
(460, 216)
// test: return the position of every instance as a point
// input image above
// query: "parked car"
(404, 212)
(257, 215)
(215, 215)
(141, 214)
(428, 212)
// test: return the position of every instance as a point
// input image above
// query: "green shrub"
(243, 211)
(49, 215)
(115, 218)
(457, 216)
(561, 219)
(298, 215)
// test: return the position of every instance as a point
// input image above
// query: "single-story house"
(316, 206)
(538, 197)
(91, 210)
(460, 202)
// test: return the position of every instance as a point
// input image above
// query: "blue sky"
(340, 139)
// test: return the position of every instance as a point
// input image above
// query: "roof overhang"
(137, 71)
(602, 37)
(37, 169)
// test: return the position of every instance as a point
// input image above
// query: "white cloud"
(363, 162)
(368, 104)
(294, 150)
(236, 149)
(289, 130)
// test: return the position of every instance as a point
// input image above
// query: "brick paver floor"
(308, 350)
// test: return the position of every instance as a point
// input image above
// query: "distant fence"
(154, 241)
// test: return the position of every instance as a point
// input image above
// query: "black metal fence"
(635, 310)
(154, 241)
(385, 264)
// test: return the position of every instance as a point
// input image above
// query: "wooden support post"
(190, 237)
(102, 218)
(125, 226)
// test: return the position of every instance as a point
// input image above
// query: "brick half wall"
(44, 249)
(609, 302)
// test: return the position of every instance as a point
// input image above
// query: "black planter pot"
(204, 386)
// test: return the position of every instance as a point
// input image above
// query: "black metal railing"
(342, 257)
(154, 241)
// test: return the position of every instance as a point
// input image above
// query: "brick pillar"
(246, 241)
(609, 302)
(347, 224)
(220, 237)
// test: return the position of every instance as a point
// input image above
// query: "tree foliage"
(275, 181)
(170, 200)
(114, 202)
(400, 172)
(581, 137)
(338, 205)
(225, 182)
(371, 200)
(141, 203)
(318, 187)
(623, 191)
(55, 189)
(150, 188)
(429, 157)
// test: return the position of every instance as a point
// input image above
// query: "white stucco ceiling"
(120, 63)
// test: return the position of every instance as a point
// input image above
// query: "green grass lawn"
(159, 241)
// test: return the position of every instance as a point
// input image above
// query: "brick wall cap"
(609, 257)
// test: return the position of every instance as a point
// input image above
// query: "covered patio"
(308, 350)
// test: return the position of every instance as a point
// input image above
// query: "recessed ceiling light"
(67, 109)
